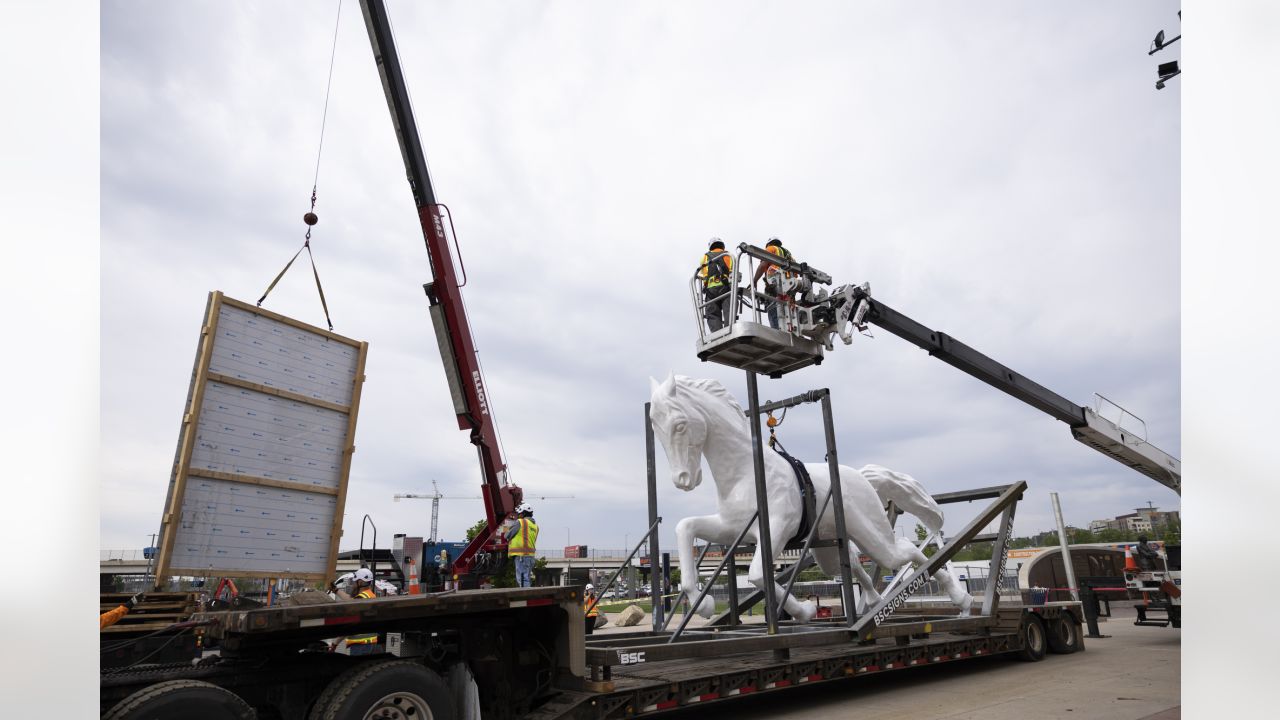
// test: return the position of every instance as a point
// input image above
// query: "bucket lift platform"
(748, 341)
(753, 346)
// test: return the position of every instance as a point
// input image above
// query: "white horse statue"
(699, 418)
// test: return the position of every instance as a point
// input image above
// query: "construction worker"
(111, 617)
(361, 583)
(522, 543)
(1148, 557)
(590, 608)
(773, 278)
(442, 560)
(716, 270)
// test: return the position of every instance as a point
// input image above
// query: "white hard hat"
(364, 575)
(590, 587)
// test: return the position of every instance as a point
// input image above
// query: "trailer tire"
(1064, 635)
(1032, 635)
(182, 700)
(402, 689)
(339, 681)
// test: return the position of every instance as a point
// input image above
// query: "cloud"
(1003, 173)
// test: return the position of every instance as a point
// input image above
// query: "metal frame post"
(999, 557)
(764, 543)
(733, 588)
(666, 587)
(833, 468)
(651, 473)
(1066, 548)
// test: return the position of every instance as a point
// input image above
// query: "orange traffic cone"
(411, 585)
(1130, 565)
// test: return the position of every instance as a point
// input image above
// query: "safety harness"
(808, 504)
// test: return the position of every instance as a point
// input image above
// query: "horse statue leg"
(802, 611)
(902, 552)
(699, 526)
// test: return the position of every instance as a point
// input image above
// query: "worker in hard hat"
(773, 278)
(716, 271)
(590, 607)
(111, 617)
(355, 586)
(522, 543)
(360, 587)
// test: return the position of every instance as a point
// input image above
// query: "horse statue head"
(681, 412)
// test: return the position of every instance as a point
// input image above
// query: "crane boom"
(444, 295)
(1086, 425)
(811, 317)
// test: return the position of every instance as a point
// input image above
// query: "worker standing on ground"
(773, 278)
(522, 543)
(590, 608)
(446, 573)
(111, 617)
(716, 270)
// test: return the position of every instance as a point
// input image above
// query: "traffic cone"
(412, 584)
(1130, 565)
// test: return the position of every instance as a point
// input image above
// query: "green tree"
(1080, 536)
(921, 534)
(476, 529)
(1172, 533)
(1111, 535)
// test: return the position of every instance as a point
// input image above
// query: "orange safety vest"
(525, 541)
(365, 594)
(586, 606)
(773, 269)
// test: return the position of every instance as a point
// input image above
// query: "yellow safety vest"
(365, 594)
(525, 541)
(782, 253)
(716, 280)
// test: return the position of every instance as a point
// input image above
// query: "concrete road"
(1133, 675)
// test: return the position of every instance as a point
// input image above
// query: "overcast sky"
(1004, 172)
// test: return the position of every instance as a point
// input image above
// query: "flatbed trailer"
(528, 654)
(645, 675)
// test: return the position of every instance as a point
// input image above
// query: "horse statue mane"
(707, 385)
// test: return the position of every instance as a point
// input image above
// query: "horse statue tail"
(906, 492)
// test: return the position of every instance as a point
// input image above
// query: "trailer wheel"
(1032, 635)
(394, 690)
(1064, 635)
(182, 700)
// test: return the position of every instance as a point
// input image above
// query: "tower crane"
(436, 497)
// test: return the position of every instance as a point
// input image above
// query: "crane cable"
(310, 218)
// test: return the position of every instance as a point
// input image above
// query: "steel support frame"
(657, 646)
(889, 603)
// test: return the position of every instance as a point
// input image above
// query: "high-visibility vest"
(525, 541)
(365, 594)
(782, 253)
(586, 606)
(715, 269)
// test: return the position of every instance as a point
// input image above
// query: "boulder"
(631, 616)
